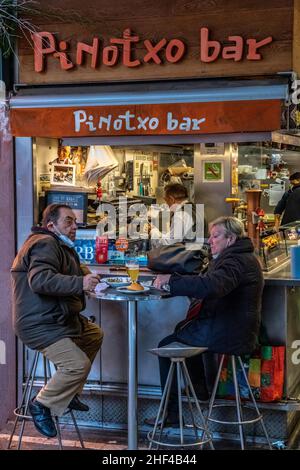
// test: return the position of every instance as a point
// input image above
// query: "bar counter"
(106, 389)
(280, 326)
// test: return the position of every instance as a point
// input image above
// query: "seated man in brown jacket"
(48, 293)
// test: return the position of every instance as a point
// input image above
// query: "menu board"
(77, 202)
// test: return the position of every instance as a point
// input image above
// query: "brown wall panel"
(296, 37)
(156, 20)
(103, 10)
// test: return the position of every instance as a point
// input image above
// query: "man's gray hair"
(232, 226)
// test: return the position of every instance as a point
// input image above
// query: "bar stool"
(21, 412)
(177, 353)
(238, 404)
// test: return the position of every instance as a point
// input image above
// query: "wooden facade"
(153, 22)
(296, 38)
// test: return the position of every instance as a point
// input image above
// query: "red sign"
(124, 50)
(148, 119)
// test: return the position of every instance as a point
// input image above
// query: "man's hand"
(277, 222)
(161, 280)
(90, 281)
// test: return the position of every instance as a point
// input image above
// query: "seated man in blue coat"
(229, 319)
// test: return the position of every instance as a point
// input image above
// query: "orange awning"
(147, 119)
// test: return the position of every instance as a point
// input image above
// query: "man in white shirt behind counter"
(182, 217)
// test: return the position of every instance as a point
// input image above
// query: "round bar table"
(132, 299)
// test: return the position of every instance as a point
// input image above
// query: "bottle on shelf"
(101, 250)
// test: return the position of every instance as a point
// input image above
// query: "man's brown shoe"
(76, 404)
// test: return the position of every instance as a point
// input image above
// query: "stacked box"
(85, 246)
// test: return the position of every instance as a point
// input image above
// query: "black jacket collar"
(44, 231)
(242, 245)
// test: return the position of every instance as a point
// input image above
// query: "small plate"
(117, 281)
(125, 290)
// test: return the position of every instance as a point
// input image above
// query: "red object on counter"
(101, 249)
(261, 226)
(99, 191)
(260, 212)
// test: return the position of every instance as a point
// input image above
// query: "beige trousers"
(73, 358)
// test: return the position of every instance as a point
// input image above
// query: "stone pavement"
(94, 439)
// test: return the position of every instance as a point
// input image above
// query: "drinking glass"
(133, 269)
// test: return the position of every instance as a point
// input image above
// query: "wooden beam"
(296, 37)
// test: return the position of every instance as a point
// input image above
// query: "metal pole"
(132, 375)
(238, 403)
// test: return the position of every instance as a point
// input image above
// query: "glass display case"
(275, 246)
(291, 233)
(273, 249)
(266, 166)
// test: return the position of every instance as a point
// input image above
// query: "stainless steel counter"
(278, 276)
(281, 276)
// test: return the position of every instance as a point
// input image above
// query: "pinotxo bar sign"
(148, 119)
(131, 51)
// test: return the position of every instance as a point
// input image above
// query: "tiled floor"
(93, 439)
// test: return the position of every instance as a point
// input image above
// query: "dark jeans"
(196, 371)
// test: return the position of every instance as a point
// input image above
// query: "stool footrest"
(250, 421)
(164, 438)
(225, 405)
(21, 414)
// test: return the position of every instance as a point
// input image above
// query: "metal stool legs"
(239, 412)
(156, 436)
(21, 412)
